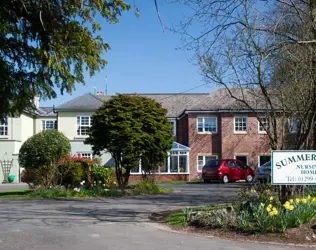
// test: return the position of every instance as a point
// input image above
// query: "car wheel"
(225, 179)
(207, 181)
(249, 178)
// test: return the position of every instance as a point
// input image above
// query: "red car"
(227, 170)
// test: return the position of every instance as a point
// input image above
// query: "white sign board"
(293, 167)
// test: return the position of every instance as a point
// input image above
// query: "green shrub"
(103, 174)
(70, 174)
(43, 149)
(144, 187)
(73, 169)
(220, 218)
(41, 153)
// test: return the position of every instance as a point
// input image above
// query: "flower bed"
(257, 215)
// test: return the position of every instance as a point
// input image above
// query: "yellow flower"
(304, 201)
(286, 204)
(291, 201)
(100, 182)
(274, 209)
(297, 200)
(104, 185)
(291, 207)
(271, 198)
(268, 209)
(253, 191)
(274, 212)
(261, 204)
(314, 199)
(309, 197)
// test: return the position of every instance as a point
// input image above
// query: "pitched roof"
(86, 102)
(176, 104)
(45, 111)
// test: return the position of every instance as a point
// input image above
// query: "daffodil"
(304, 201)
(291, 201)
(314, 199)
(297, 200)
(268, 209)
(291, 207)
(261, 204)
(273, 213)
(253, 191)
(274, 209)
(309, 197)
(286, 204)
(271, 198)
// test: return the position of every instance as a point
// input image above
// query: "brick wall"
(202, 143)
(182, 136)
(252, 143)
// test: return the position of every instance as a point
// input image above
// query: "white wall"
(67, 123)
(38, 123)
(27, 127)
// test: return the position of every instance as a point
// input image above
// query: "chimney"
(100, 93)
(36, 101)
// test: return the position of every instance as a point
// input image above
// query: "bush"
(144, 187)
(43, 149)
(41, 152)
(103, 174)
(220, 218)
(73, 169)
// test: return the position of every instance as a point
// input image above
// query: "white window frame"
(203, 123)
(180, 152)
(259, 163)
(79, 125)
(259, 126)
(5, 127)
(44, 125)
(204, 155)
(174, 126)
(83, 153)
(242, 155)
(238, 131)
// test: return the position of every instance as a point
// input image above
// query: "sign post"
(293, 167)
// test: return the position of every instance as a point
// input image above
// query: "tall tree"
(49, 43)
(265, 50)
(132, 128)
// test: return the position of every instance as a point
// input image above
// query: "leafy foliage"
(72, 169)
(39, 156)
(144, 187)
(44, 149)
(131, 128)
(102, 173)
(47, 44)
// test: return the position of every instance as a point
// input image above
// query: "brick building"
(205, 126)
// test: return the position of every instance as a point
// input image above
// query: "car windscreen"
(213, 163)
(266, 165)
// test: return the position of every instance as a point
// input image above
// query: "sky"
(142, 58)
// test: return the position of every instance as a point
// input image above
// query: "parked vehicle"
(227, 170)
(264, 172)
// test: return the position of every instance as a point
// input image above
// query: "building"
(205, 126)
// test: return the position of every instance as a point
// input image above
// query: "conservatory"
(176, 163)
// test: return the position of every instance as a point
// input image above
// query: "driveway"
(6, 187)
(115, 223)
